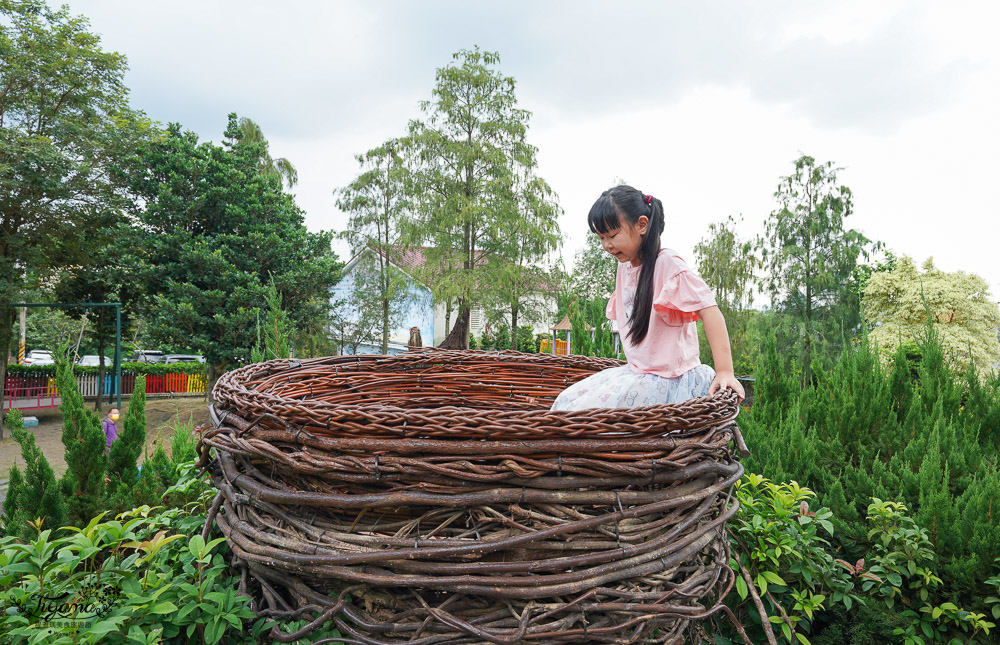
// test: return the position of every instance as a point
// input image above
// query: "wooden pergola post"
(567, 326)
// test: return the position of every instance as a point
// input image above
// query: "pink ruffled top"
(670, 347)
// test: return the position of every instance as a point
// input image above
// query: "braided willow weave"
(432, 497)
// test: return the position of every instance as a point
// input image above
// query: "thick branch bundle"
(432, 497)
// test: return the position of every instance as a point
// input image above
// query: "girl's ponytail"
(650, 248)
(626, 204)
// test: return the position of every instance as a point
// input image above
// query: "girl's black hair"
(612, 210)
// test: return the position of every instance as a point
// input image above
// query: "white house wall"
(420, 312)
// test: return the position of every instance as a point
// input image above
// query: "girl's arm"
(718, 340)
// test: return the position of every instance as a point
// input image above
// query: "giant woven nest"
(432, 497)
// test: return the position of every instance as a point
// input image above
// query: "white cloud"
(705, 105)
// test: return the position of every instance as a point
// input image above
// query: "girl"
(656, 302)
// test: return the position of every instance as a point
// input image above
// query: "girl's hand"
(726, 380)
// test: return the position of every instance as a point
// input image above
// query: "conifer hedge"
(929, 440)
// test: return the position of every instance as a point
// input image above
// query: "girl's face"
(623, 242)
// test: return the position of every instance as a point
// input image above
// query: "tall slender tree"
(64, 123)
(468, 152)
(520, 250)
(729, 265)
(378, 202)
(123, 472)
(84, 440)
(810, 260)
(35, 494)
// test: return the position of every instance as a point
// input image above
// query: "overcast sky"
(705, 105)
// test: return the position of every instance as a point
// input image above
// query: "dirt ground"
(162, 415)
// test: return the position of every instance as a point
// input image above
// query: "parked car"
(184, 358)
(93, 360)
(147, 356)
(39, 357)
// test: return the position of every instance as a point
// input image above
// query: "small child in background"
(111, 429)
(656, 302)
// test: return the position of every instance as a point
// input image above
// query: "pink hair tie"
(649, 200)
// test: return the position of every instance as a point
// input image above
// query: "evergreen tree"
(520, 250)
(272, 337)
(34, 494)
(729, 265)
(379, 204)
(213, 231)
(148, 490)
(811, 260)
(123, 470)
(470, 162)
(84, 439)
(593, 275)
(858, 431)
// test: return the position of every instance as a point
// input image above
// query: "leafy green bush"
(782, 561)
(903, 574)
(35, 494)
(136, 579)
(858, 432)
(786, 567)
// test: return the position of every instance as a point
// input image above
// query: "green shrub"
(779, 544)
(501, 339)
(34, 495)
(903, 578)
(146, 576)
(136, 579)
(859, 432)
(83, 483)
(526, 340)
(123, 471)
(808, 592)
(183, 442)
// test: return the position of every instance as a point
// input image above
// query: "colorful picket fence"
(38, 390)
(545, 347)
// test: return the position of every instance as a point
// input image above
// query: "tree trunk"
(6, 320)
(385, 325)
(100, 371)
(215, 370)
(458, 338)
(447, 318)
(513, 326)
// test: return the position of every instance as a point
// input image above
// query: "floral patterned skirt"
(620, 387)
